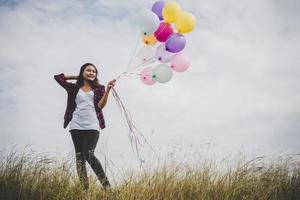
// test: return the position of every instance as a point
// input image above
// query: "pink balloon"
(180, 63)
(146, 76)
(163, 32)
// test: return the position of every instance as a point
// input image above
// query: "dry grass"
(33, 176)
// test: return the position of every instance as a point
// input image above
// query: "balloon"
(175, 43)
(157, 8)
(146, 76)
(185, 22)
(162, 54)
(149, 39)
(145, 55)
(163, 32)
(171, 12)
(147, 21)
(162, 73)
(180, 63)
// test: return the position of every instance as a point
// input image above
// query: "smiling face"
(89, 73)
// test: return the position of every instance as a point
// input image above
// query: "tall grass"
(33, 176)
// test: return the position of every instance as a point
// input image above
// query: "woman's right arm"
(71, 77)
(62, 80)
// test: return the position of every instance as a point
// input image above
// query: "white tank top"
(84, 116)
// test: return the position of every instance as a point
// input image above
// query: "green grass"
(33, 176)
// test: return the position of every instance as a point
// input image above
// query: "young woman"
(86, 99)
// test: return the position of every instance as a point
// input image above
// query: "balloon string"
(133, 131)
(135, 48)
(136, 138)
(130, 76)
(135, 75)
(141, 64)
(147, 61)
(134, 135)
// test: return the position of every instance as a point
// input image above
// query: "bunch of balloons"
(163, 28)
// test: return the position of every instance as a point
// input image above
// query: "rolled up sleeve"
(61, 79)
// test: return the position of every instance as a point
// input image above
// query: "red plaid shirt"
(72, 90)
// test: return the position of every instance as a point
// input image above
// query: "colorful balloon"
(185, 22)
(146, 76)
(157, 8)
(147, 21)
(171, 12)
(175, 43)
(163, 32)
(149, 39)
(180, 62)
(162, 73)
(172, 41)
(162, 54)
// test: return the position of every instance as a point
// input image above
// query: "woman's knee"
(80, 156)
(90, 153)
(90, 156)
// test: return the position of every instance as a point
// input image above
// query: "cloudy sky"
(240, 94)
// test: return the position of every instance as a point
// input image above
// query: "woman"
(86, 99)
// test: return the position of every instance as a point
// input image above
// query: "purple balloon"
(157, 8)
(175, 43)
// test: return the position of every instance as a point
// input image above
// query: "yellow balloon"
(149, 39)
(185, 23)
(171, 11)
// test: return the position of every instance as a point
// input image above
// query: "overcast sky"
(241, 92)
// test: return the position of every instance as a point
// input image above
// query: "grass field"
(24, 176)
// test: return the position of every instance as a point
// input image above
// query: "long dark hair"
(80, 79)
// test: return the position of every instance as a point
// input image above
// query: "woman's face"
(89, 73)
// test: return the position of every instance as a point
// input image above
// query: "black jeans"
(85, 142)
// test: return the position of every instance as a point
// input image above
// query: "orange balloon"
(149, 39)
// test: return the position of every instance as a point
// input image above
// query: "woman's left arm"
(103, 100)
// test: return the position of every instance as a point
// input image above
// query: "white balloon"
(148, 21)
(162, 73)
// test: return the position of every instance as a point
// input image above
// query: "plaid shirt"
(72, 90)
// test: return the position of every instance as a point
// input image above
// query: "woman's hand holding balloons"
(103, 100)
(111, 84)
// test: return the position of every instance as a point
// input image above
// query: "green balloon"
(162, 73)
